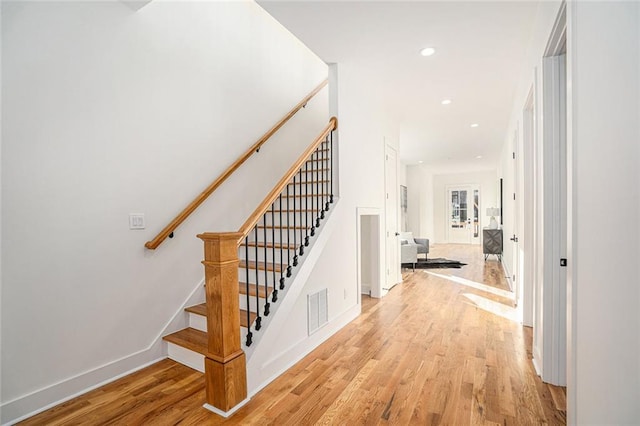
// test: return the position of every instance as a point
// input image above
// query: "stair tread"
(201, 309)
(261, 266)
(189, 338)
(253, 289)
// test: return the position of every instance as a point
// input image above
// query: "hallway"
(438, 349)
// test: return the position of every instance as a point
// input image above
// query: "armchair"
(411, 247)
(408, 254)
(423, 246)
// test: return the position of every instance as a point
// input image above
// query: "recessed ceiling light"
(427, 51)
(478, 156)
(446, 101)
(420, 162)
(475, 125)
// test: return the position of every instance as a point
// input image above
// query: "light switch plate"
(136, 221)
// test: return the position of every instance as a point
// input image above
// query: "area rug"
(434, 263)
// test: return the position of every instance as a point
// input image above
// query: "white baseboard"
(226, 414)
(507, 273)
(10, 408)
(536, 366)
(49, 396)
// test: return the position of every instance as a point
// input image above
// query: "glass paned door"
(463, 223)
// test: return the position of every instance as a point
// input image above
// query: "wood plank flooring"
(440, 348)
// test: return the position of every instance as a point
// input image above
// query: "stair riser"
(271, 257)
(305, 198)
(301, 217)
(311, 186)
(277, 238)
(200, 323)
(252, 302)
(185, 356)
(252, 278)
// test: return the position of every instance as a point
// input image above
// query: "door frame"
(374, 253)
(528, 200)
(554, 196)
(470, 187)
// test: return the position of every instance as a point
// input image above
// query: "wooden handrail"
(277, 190)
(168, 230)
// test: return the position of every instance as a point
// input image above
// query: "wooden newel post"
(225, 362)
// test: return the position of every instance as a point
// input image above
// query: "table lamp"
(493, 212)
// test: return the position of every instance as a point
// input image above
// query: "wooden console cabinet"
(492, 242)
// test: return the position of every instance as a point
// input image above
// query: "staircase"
(248, 271)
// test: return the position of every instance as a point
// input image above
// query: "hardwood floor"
(440, 348)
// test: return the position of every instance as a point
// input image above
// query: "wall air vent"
(317, 310)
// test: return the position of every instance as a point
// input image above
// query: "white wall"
(420, 201)
(107, 112)
(427, 199)
(605, 154)
(1, 210)
(402, 174)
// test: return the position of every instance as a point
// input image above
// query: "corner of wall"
(49, 396)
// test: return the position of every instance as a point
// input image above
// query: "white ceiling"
(480, 51)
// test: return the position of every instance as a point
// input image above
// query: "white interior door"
(463, 214)
(392, 206)
(550, 320)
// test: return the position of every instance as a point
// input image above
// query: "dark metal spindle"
(318, 201)
(331, 166)
(281, 242)
(305, 199)
(288, 241)
(306, 206)
(266, 267)
(321, 184)
(325, 180)
(295, 244)
(313, 208)
(258, 319)
(274, 295)
(246, 274)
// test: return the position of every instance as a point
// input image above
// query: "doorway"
(369, 234)
(463, 214)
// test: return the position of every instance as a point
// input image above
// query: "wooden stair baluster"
(225, 361)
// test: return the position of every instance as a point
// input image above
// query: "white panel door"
(463, 218)
(392, 206)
